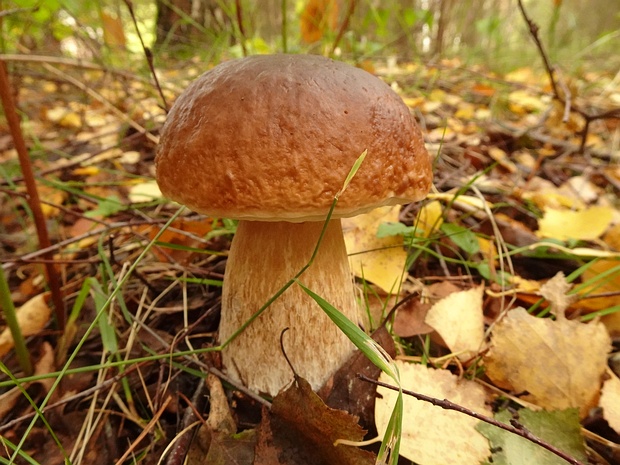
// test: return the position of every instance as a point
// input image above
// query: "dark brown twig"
(147, 53)
(34, 202)
(566, 99)
(515, 427)
(239, 13)
(345, 24)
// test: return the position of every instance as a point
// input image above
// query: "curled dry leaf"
(31, 317)
(610, 402)
(431, 435)
(300, 429)
(555, 291)
(559, 363)
(44, 365)
(458, 319)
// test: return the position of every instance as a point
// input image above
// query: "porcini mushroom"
(269, 140)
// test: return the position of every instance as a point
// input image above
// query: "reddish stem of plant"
(33, 194)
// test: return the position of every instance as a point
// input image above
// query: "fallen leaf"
(380, 260)
(586, 225)
(458, 319)
(144, 192)
(430, 217)
(227, 449)
(300, 429)
(345, 391)
(610, 402)
(555, 291)
(31, 318)
(43, 366)
(431, 435)
(410, 319)
(559, 428)
(559, 363)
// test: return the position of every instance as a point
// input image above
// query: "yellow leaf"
(31, 318)
(144, 192)
(610, 402)
(522, 102)
(501, 157)
(431, 435)
(430, 217)
(586, 225)
(459, 321)
(378, 260)
(559, 363)
(609, 285)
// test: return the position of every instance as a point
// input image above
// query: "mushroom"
(269, 140)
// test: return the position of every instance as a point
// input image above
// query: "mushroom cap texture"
(273, 138)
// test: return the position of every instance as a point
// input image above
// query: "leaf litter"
(549, 202)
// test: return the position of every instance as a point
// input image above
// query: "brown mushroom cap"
(273, 137)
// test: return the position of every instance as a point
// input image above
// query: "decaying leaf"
(31, 317)
(459, 321)
(345, 391)
(300, 429)
(558, 363)
(431, 435)
(586, 225)
(610, 402)
(380, 260)
(560, 429)
(44, 365)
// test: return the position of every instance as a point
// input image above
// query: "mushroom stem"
(263, 257)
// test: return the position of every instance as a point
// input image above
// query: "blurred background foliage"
(576, 33)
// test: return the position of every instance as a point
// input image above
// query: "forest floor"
(510, 304)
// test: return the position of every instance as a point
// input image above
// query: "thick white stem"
(262, 258)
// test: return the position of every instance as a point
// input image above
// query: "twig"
(192, 413)
(33, 194)
(345, 25)
(239, 12)
(567, 98)
(515, 427)
(145, 431)
(147, 53)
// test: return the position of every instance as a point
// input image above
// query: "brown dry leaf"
(345, 391)
(300, 429)
(555, 291)
(173, 236)
(559, 363)
(43, 366)
(431, 435)
(318, 17)
(409, 319)
(31, 318)
(586, 225)
(610, 402)
(380, 260)
(458, 319)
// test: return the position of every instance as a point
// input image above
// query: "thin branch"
(345, 24)
(147, 53)
(566, 100)
(515, 427)
(239, 12)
